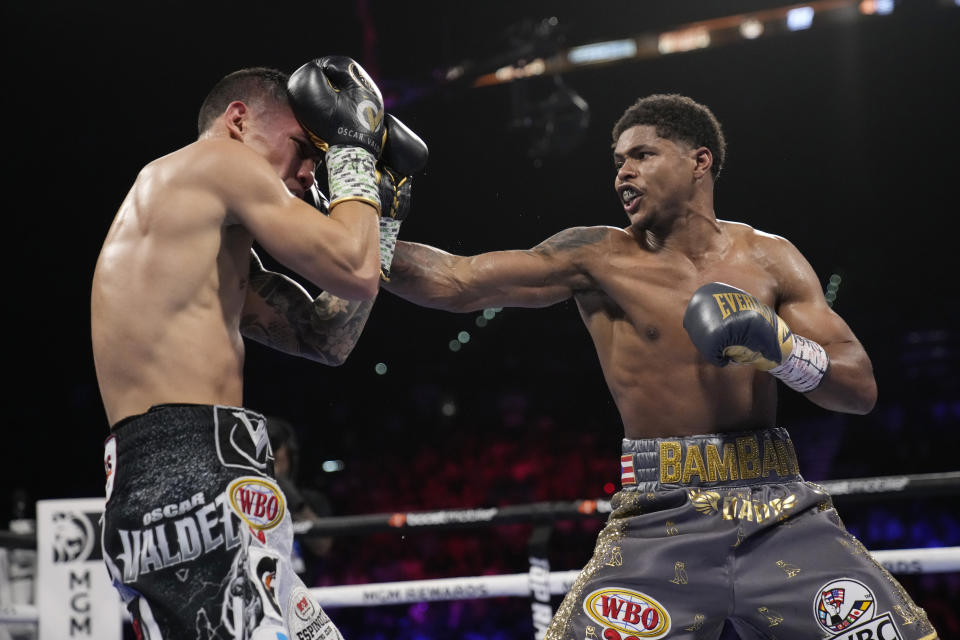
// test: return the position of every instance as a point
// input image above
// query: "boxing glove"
(728, 324)
(404, 154)
(341, 109)
(337, 103)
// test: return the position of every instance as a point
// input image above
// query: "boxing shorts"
(197, 536)
(714, 527)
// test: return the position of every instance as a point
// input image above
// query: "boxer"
(197, 532)
(714, 521)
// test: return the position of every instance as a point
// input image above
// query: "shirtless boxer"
(197, 536)
(713, 520)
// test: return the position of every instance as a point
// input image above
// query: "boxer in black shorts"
(670, 301)
(202, 550)
(197, 536)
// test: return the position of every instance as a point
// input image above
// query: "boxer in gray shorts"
(670, 300)
(714, 527)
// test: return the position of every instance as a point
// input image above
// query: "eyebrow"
(643, 146)
(310, 150)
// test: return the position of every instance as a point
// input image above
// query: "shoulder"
(213, 156)
(760, 243)
(225, 169)
(202, 159)
(795, 278)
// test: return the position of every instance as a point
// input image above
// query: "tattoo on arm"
(325, 329)
(571, 239)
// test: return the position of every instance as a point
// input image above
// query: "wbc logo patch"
(842, 603)
(258, 501)
(627, 611)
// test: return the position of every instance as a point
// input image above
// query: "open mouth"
(630, 198)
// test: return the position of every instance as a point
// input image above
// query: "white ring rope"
(938, 560)
(902, 561)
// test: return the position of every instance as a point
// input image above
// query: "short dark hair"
(247, 85)
(680, 119)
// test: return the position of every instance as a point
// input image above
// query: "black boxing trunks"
(715, 527)
(197, 537)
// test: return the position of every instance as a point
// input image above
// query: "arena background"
(842, 137)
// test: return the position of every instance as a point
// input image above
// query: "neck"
(693, 231)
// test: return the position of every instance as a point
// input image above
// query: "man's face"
(654, 175)
(276, 135)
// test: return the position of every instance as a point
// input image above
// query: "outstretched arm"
(280, 313)
(544, 275)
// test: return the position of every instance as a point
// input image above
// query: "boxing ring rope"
(848, 490)
(939, 560)
(898, 561)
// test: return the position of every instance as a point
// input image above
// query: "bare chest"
(644, 299)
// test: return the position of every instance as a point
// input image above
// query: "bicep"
(802, 304)
(517, 279)
(324, 249)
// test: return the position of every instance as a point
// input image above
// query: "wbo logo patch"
(628, 611)
(258, 501)
(843, 603)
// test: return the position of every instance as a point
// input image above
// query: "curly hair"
(678, 118)
(248, 85)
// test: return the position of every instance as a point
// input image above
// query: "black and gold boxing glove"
(341, 109)
(404, 154)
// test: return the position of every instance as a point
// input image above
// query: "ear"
(237, 117)
(704, 160)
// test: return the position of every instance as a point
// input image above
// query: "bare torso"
(634, 314)
(167, 295)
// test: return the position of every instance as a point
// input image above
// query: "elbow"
(358, 289)
(867, 399)
(368, 285)
(863, 400)
(336, 360)
(362, 279)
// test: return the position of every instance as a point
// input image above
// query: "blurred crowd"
(521, 449)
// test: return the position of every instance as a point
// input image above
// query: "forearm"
(427, 276)
(324, 329)
(849, 385)
(336, 325)
(355, 251)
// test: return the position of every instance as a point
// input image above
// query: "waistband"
(168, 421)
(709, 460)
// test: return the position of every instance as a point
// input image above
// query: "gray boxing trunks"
(196, 534)
(722, 527)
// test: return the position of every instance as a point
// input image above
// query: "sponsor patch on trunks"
(844, 603)
(881, 627)
(306, 620)
(627, 611)
(258, 501)
(242, 439)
